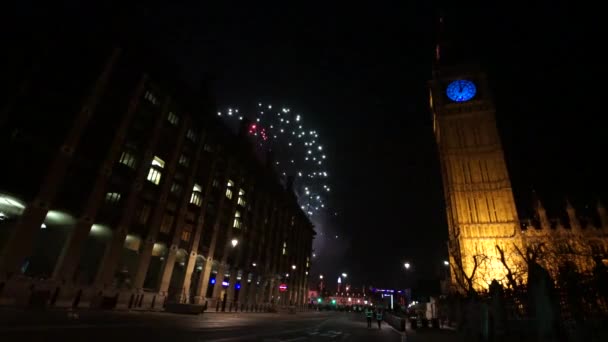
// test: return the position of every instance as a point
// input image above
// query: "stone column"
(219, 278)
(244, 290)
(20, 243)
(231, 287)
(167, 271)
(228, 247)
(111, 257)
(254, 290)
(158, 211)
(271, 252)
(203, 282)
(251, 243)
(271, 289)
(72, 249)
(201, 288)
(198, 233)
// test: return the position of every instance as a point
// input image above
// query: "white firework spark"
(297, 150)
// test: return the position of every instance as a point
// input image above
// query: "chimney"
(574, 224)
(542, 215)
(601, 210)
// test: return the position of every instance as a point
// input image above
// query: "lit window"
(241, 200)
(284, 248)
(229, 189)
(112, 197)
(154, 176)
(191, 135)
(158, 162)
(183, 160)
(155, 172)
(173, 119)
(186, 233)
(165, 226)
(151, 98)
(176, 188)
(196, 198)
(127, 159)
(237, 220)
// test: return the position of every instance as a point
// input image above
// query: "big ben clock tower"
(481, 213)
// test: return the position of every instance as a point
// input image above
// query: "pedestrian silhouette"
(369, 314)
(379, 318)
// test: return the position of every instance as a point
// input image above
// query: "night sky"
(359, 73)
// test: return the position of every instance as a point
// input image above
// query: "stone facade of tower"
(481, 211)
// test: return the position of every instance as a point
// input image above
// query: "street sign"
(283, 287)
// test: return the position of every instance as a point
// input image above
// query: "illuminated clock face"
(461, 90)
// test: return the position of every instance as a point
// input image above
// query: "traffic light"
(333, 301)
(319, 300)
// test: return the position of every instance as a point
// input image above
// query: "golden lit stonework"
(481, 211)
(487, 241)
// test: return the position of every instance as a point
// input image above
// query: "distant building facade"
(123, 190)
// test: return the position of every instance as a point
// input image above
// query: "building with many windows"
(119, 188)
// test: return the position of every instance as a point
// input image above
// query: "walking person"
(369, 314)
(379, 318)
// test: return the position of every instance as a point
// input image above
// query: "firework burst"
(297, 150)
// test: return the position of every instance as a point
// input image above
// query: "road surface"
(16, 325)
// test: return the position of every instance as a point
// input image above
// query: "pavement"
(112, 326)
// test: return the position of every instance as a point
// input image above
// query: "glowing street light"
(293, 267)
(320, 276)
(344, 275)
(234, 242)
(445, 262)
(407, 265)
(254, 264)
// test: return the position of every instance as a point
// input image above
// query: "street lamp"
(445, 262)
(293, 267)
(407, 265)
(344, 275)
(254, 264)
(320, 276)
(234, 242)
